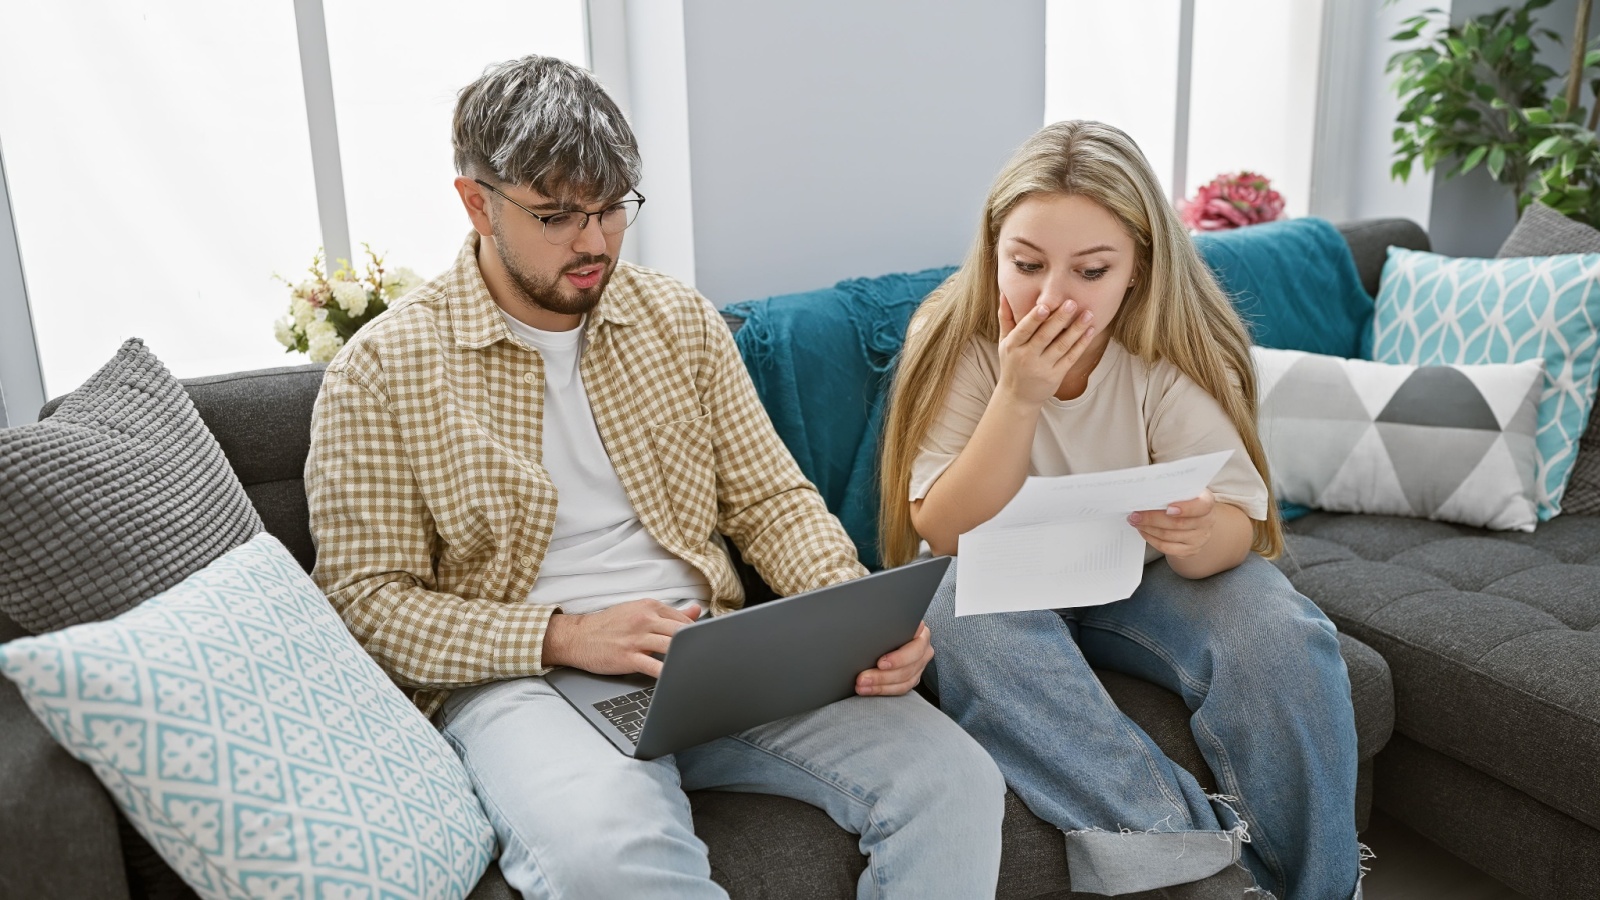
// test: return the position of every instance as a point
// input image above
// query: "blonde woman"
(1084, 333)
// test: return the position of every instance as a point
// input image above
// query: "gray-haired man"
(540, 367)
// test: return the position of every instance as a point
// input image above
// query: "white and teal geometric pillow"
(1451, 443)
(252, 741)
(1435, 310)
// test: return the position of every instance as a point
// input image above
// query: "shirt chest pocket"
(686, 470)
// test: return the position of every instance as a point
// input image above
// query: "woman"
(1084, 333)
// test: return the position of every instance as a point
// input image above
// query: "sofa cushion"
(1435, 310)
(57, 825)
(118, 495)
(262, 420)
(1493, 638)
(254, 743)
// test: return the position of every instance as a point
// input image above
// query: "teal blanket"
(821, 362)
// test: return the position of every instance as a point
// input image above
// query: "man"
(527, 462)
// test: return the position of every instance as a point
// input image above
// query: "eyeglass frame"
(544, 220)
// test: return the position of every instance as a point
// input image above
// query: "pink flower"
(1232, 201)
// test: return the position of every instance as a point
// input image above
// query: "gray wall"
(1472, 215)
(835, 138)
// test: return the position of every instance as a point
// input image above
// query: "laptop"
(758, 664)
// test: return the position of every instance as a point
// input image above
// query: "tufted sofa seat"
(1493, 641)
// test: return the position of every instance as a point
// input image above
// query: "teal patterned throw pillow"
(252, 741)
(1436, 310)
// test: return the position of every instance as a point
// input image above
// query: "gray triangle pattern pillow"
(1544, 232)
(117, 496)
(1451, 443)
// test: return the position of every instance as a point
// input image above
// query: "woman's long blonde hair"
(1175, 310)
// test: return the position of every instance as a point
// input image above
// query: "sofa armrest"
(57, 824)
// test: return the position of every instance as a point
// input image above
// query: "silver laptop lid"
(787, 656)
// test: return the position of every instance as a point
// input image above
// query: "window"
(159, 172)
(1251, 85)
(396, 70)
(160, 165)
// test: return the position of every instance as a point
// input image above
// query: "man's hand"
(899, 670)
(615, 641)
(1182, 529)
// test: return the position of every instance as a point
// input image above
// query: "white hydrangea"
(304, 290)
(284, 332)
(400, 282)
(351, 296)
(302, 311)
(324, 341)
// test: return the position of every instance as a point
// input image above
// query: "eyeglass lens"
(563, 227)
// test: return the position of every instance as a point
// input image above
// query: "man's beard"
(546, 294)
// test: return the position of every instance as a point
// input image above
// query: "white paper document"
(1065, 540)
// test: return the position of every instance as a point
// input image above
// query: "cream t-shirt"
(1133, 413)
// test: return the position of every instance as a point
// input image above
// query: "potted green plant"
(1476, 94)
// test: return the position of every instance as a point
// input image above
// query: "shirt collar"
(476, 318)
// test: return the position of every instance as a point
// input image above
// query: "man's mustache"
(588, 260)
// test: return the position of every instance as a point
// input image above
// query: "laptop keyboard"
(627, 712)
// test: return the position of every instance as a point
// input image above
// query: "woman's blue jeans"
(1256, 662)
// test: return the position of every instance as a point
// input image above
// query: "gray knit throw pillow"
(1544, 232)
(117, 496)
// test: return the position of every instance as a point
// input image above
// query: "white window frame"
(21, 378)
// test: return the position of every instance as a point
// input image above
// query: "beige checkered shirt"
(431, 512)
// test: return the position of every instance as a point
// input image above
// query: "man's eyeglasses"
(563, 227)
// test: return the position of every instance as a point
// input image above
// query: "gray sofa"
(1477, 763)
(761, 846)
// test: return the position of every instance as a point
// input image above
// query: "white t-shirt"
(1132, 413)
(600, 553)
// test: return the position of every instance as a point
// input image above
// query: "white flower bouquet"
(325, 310)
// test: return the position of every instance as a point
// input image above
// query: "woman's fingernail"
(1041, 312)
(1133, 518)
(1088, 317)
(1173, 510)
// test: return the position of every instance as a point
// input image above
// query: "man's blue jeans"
(577, 819)
(1256, 662)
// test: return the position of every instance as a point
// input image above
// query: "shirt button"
(527, 562)
(528, 377)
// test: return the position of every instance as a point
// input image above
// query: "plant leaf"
(1545, 147)
(1497, 162)
(1472, 160)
